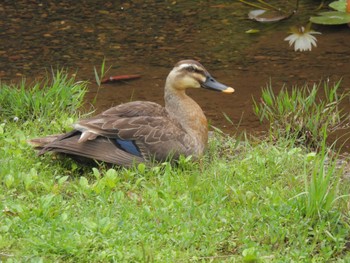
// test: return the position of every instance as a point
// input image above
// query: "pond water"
(149, 37)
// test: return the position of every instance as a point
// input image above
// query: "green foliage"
(45, 100)
(339, 5)
(321, 188)
(322, 180)
(338, 17)
(243, 202)
(99, 77)
(331, 18)
(302, 115)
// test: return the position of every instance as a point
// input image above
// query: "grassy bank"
(252, 200)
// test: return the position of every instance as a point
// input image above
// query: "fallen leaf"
(119, 78)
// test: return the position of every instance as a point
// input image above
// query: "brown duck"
(143, 131)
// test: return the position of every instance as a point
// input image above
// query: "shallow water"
(149, 37)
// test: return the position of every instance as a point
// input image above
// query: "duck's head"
(191, 74)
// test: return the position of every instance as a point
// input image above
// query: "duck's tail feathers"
(40, 143)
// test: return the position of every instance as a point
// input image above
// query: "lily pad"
(265, 16)
(331, 18)
(339, 5)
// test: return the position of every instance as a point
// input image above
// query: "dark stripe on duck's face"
(192, 68)
(194, 71)
(128, 146)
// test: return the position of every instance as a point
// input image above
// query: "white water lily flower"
(302, 38)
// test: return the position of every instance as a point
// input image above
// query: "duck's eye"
(194, 69)
(191, 69)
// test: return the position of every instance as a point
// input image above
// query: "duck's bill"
(211, 83)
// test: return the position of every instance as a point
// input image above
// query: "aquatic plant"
(341, 15)
(302, 38)
(269, 13)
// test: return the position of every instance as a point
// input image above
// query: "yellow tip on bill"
(228, 90)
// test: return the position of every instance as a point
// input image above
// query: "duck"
(143, 131)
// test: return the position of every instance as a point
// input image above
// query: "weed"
(45, 100)
(99, 77)
(301, 115)
(322, 177)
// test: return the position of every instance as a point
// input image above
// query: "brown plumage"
(143, 131)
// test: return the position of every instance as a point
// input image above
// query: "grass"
(247, 201)
(302, 115)
(46, 100)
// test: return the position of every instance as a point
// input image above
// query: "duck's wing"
(101, 149)
(127, 134)
(135, 108)
(109, 122)
(143, 129)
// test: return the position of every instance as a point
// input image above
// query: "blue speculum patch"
(128, 146)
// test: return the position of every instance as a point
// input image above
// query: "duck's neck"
(188, 114)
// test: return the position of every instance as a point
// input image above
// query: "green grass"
(48, 99)
(302, 115)
(247, 201)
